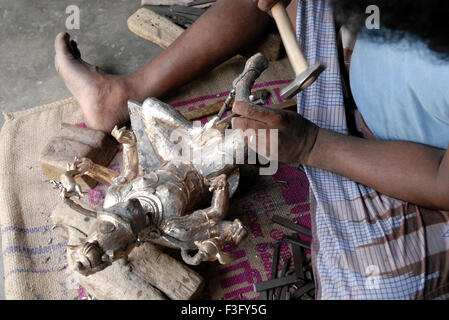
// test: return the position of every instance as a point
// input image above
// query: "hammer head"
(303, 80)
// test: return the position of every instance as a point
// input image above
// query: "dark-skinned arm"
(226, 28)
(404, 170)
(408, 171)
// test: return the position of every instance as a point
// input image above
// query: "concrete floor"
(27, 31)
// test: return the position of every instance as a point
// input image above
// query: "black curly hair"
(426, 19)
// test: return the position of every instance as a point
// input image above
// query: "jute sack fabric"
(34, 254)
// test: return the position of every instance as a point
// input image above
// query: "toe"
(75, 51)
(65, 46)
(61, 42)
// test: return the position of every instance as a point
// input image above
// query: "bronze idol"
(181, 203)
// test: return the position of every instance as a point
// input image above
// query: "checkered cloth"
(366, 245)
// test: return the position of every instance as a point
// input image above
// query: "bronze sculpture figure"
(167, 205)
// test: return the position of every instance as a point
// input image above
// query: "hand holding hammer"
(305, 75)
(296, 135)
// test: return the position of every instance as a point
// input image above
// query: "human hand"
(266, 5)
(296, 135)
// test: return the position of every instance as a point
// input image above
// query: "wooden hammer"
(305, 75)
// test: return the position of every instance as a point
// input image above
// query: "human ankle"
(135, 87)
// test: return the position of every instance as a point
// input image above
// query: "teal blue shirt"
(402, 91)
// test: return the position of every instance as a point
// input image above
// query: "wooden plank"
(167, 274)
(153, 27)
(73, 141)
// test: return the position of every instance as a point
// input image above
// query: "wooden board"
(150, 274)
(73, 141)
(153, 27)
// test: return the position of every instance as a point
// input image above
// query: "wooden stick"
(288, 35)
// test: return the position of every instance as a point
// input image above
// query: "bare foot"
(103, 98)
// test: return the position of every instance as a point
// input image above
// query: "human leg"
(226, 28)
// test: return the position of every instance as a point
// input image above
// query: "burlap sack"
(34, 254)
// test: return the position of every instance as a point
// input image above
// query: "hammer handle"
(288, 35)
